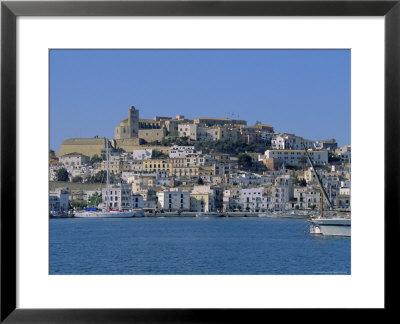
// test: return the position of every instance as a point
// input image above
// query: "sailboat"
(108, 211)
(331, 223)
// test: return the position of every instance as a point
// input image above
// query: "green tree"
(158, 155)
(79, 204)
(302, 183)
(244, 160)
(333, 158)
(62, 174)
(99, 177)
(95, 199)
(200, 181)
(95, 158)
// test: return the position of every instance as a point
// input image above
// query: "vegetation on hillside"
(62, 174)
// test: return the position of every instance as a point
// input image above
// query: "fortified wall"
(85, 146)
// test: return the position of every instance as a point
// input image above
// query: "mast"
(316, 174)
(108, 176)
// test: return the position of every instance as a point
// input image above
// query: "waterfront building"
(307, 197)
(282, 192)
(58, 200)
(174, 199)
(119, 196)
(201, 202)
(230, 200)
(137, 201)
(251, 199)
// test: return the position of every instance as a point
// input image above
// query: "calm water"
(193, 246)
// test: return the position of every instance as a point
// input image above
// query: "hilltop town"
(198, 165)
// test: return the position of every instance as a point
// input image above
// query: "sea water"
(193, 246)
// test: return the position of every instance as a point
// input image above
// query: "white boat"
(295, 214)
(331, 226)
(55, 214)
(109, 212)
(210, 214)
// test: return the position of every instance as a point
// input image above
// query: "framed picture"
(83, 45)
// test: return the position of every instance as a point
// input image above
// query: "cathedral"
(129, 127)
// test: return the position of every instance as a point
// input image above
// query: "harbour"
(194, 246)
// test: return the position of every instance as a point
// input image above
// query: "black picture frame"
(10, 10)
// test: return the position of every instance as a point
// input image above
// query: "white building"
(142, 154)
(137, 201)
(246, 179)
(207, 133)
(298, 157)
(74, 159)
(118, 196)
(307, 197)
(252, 200)
(181, 151)
(282, 192)
(188, 130)
(282, 141)
(174, 199)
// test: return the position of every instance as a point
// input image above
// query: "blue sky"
(305, 92)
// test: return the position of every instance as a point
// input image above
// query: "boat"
(333, 223)
(110, 213)
(56, 214)
(332, 226)
(107, 212)
(210, 214)
(296, 214)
